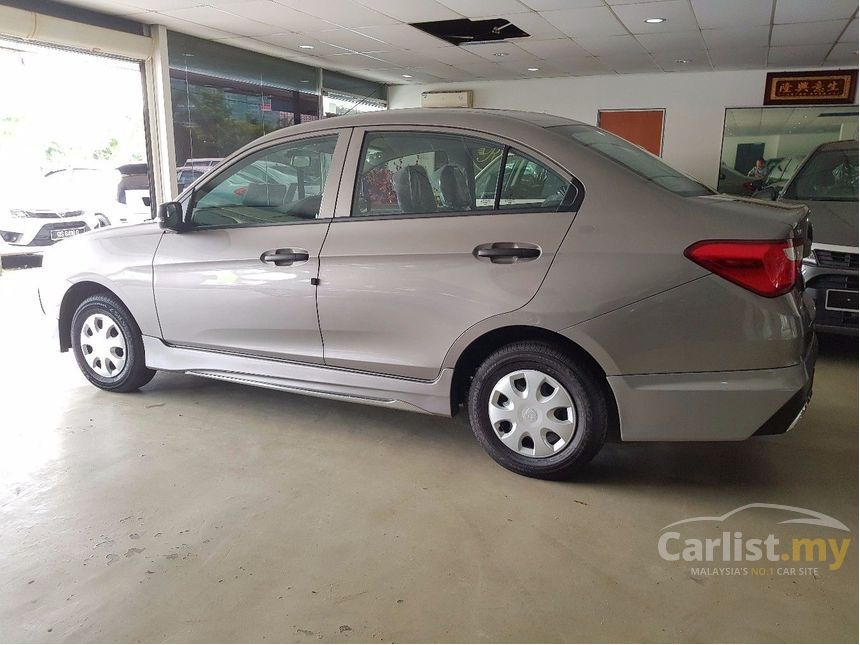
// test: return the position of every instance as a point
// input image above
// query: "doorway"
(747, 154)
(73, 151)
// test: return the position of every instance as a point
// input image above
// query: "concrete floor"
(203, 511)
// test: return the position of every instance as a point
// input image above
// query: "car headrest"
(414, 192)
(264, 195)
(454, 187)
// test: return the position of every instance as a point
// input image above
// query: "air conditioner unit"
(461, 99)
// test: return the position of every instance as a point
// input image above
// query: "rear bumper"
(713, 406)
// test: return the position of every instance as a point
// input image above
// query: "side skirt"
(428, 397)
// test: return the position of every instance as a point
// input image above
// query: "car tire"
(113, 359)
(520, 428)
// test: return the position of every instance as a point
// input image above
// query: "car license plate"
(838, 300)
(63, 233)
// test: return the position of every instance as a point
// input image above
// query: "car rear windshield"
(634, 158)
(829, 175)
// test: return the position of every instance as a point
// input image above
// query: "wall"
(695, 104)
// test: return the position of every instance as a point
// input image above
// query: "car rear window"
(635, 159)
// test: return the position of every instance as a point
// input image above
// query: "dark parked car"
(826, 182)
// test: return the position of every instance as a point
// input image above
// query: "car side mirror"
(170, 216)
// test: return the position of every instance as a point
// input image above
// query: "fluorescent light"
(406, 75)
(306, 46)
(534, 69)
(654, 21)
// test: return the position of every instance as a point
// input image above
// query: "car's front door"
(427, 241)
(241, 278)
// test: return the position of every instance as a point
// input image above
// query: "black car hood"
(833, 222)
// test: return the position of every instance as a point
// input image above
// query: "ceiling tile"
(450, 55)
(581, 66)
(550, 48)
(163, 5)
(801, 55)
(593, 22)
(732, 13)
(217, 19)
(450, 74)
(534, 25)
(406, 58)
(788, 11)
(850, 34)
(491, 51)
(177, 24)
(485, 8)
(292, 41)
(346, 13)
(678, 15)
(412, 11)
(482, 68)
(738, 58)
(750, 36)
(629, 64)
(670, 61)
(672, 41)
(405, 36)
(123, 8)
(806, 33)
(611, 45)
(349, 39)
(843, 54)
(358, 61)
(276, 14)
(549, 5)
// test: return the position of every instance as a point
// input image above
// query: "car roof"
(848, 144)
(479, 119)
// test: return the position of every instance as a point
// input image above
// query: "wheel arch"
(72, 299)
(485, 344)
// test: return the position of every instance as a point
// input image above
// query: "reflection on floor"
(204, 511)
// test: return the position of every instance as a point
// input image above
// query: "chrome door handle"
(285, 257)
(506, 252)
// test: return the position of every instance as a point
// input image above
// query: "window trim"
(571, 202)
(330, 192)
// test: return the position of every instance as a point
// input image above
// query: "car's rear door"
(422, 246)
(241, 279)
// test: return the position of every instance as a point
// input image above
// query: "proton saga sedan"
(551, 279)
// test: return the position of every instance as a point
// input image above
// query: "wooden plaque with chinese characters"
(811, 88)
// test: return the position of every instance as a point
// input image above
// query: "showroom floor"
(203, 511)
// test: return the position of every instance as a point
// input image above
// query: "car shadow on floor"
(757, 462)
(842, 349)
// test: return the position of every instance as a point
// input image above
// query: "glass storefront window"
(339, 104)
(779, 138)
(224, 97)
(343, 94)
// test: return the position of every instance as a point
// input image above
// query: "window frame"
(227, 167)
(349, 184)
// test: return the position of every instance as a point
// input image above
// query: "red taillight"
(768, 268)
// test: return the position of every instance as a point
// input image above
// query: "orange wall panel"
(642, 127)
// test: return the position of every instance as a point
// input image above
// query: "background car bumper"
(713, 406)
